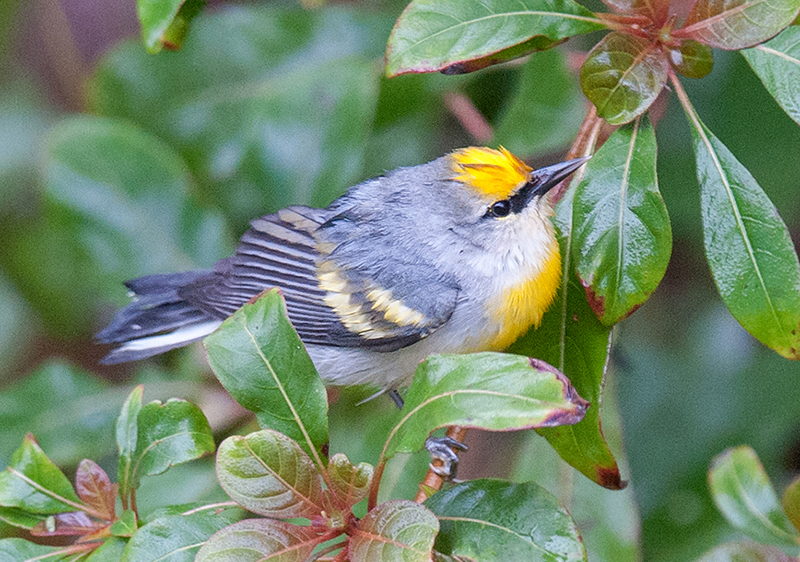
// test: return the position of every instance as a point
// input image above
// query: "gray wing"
(330, 299)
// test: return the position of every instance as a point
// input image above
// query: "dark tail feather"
(158, 319)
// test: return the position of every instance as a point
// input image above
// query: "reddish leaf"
(692, 59)
(95, 489)
(75, 523)
(737, 24)
(394, 530)
(262, 540)
(622, 76)
(349, 483)
(656, 10)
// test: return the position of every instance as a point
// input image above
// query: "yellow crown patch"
(495, 173)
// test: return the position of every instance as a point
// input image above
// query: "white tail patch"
(179, 337)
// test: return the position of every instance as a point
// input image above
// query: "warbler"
(456, 255)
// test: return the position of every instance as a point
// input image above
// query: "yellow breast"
(522, 305)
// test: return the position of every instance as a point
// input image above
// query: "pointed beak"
(548, 177)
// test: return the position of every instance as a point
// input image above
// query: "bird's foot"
(444, 449)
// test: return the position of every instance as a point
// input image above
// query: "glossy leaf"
(745, 552)
(656, 10)
(777, 64)
(275, 103)
(55, 400)
(490, 520)
(748, 248)
(176, 538)
(547, 109)
(267, 473)
(20, 518)
(94, 488)
(622, 76)
(19, 550)
(431, 35)
(127, 432)
(791, 502)
(743, 493)
(737, 24)
(622, 238)
(32, 482)
(394, 530)
(166, 22)
(126, 525)
(572, 337)
(110, 551)
(350, 483)
(169, 434)
(259, 358)
(537, 43)
(494, 391)
(692, 59)
(260, 540)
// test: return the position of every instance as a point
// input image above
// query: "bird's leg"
(395, 396)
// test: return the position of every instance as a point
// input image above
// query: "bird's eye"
(500, 209)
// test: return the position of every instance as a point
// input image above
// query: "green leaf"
(432, 35)
(176, 538)
(573, 338)
(259, 358)
(20, 518)
(275, 104)
(494, 391)
(745, 552)
(546, 111)
(743, 493)
(95, 490)
(532, 45)
(127, 432)
(492, 519)
(260, 540)
(622, 238)
(777, 64)
(748, 248)
(19, 550)
(110, 551)
(791, 502)
(349, 483)
(692, 59)
(32, 482)
(126, 525)
(57, 400)
(169, 434)
(394, 530)
(166, 22)
(269, 474)
(737, 24)
(623, 75)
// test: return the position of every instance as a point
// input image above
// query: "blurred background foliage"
(116, 164)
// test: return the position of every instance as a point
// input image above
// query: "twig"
(583, 146)
(468, 115)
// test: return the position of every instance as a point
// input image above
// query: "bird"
(456, 255)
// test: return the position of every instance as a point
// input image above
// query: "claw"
(444, 449)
